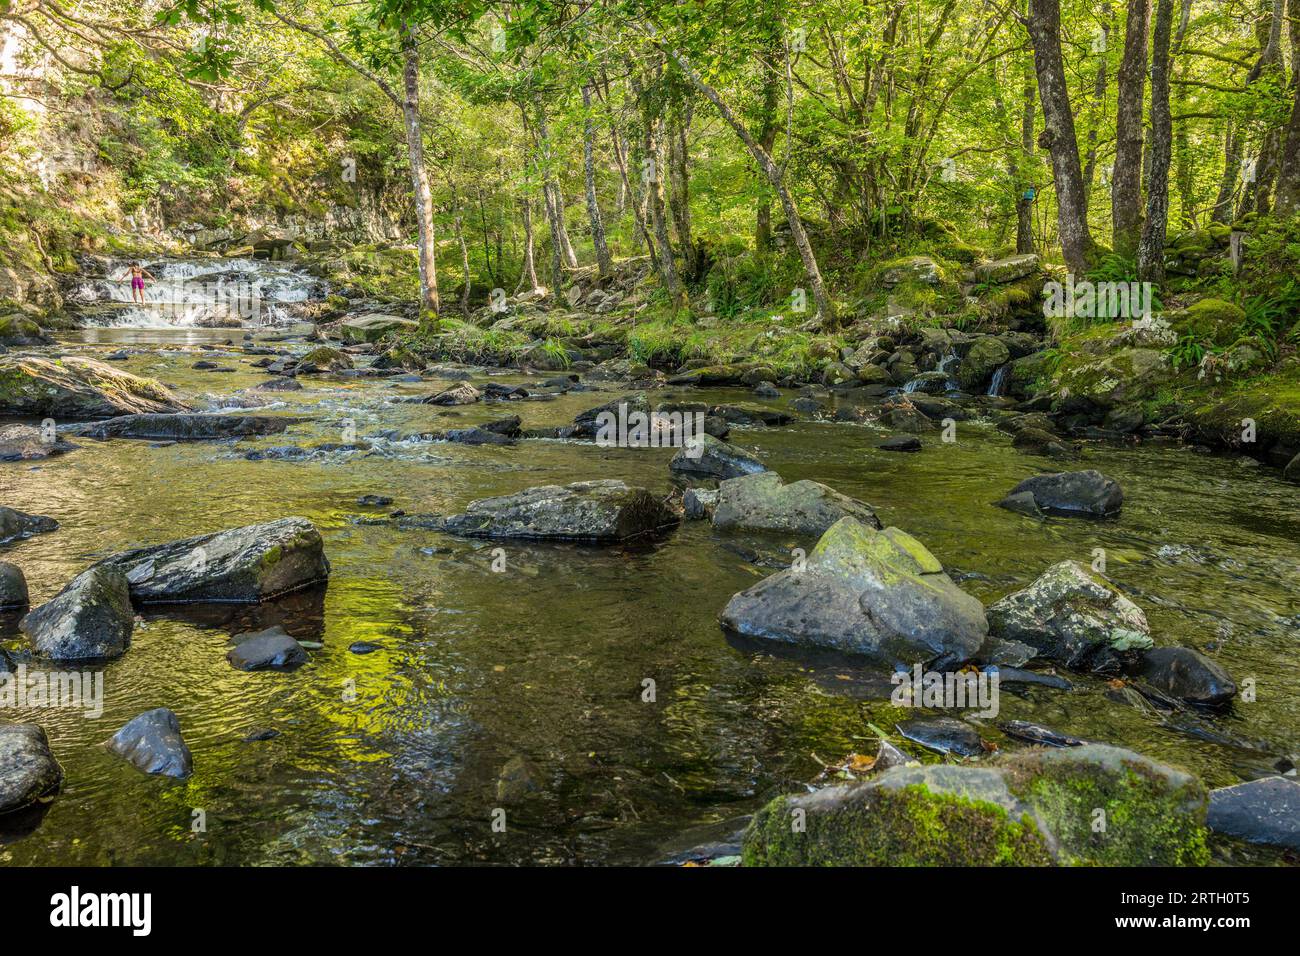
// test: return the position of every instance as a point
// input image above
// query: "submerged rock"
(879, 594)
(29, 443)
(1073, 616)
(249, 564)
(606, 510)
(1032, 808)
(90, 619)
(945, 735)
(153, 744)
(1071, 493)
(13, 586)
(272, 649)
(28, 771)
(901, 443)
(1265, 811)
(762, 502)
(1187, 675)
(709, 456)
(1038, 734)
(19, 524)
(187, 427)
(77, 387)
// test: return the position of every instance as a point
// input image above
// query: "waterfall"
(189, 293)
(999, 383)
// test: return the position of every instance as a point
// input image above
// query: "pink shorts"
(137, 282)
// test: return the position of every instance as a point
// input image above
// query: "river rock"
(28, 771)
(462, 393)
(706, 455)
(1038, 734)
(13, 586)
(1007, 270)
(987, 354)
(272, 649)
(1188, 675)
(79, 388)
(699, 503)
(878, 594)
(1292, 470)
(90, 619)
(606, 510)
(945, 735)
(588, 423)
(153, 744)
(1035, 441)
(1265, 811)
(19, 331)
(904, 443)
(1073, 616)
(1031, 808)
(762, 502)
(1072, 494)
(18, 524)
(249, 564)
(374, 326)
(186, 427)
(29, 443)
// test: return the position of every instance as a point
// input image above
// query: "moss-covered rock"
(19, 330)
(1121, 377)
(987, 354)
(1008, 269)
(374, 327)
(1212, 321)
(76, 387)
(326, 359)
(1088, 805)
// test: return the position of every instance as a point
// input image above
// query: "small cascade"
(191, 293)
(999, 384)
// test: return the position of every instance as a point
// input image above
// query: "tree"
(1151, 251)
(1126, 181)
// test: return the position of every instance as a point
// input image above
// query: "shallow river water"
(546, 659)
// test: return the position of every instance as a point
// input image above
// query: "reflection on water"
(394, 756)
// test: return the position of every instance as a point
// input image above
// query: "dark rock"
(945, 735)
(249, 564)
(1034, 441)
(478, 436)
(271, 649)
(907, 418)
(766, 390)
(900, 443)
(13, 586)
(90, 619)
(1187, 675)
(1038, 734)
(1023, 503)
(699, 503)
(187, 427)
(518, 778)
(1073, 493)
(18, 524)
(153, 744)
(257, 736)
(28, 771)
(364, 647)
(374, 501)
(462, 393)
(706, 455)
(278, 385)
(606, 510)
(29, 443)
(1265, 811)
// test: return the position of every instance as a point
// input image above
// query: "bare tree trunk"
(1270, 154)
(1151, 250)
(1126, 182)
(1024, 204)
(652, 166)
(530, 255)
(427, 247)
(679, 195)
(458, 223)
(1095, 108)
(1231, 172)
(1184, 175)
(1058, 136)
(821, 299)
(603, 261)
(767, 129)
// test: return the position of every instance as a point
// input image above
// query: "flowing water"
(546, 659)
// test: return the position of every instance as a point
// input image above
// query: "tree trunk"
(821, 299)
(419, 175)
(1058, 136)
(1184, 175)
(530, 254)
(1126, 182)
(1096, 107)
(679, 194)
(1151, 251)
(1025, 181)
(603, 261)
(767, 140)
(1223, 203)
(652, 189)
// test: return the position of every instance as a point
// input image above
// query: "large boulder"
(606, 510)
(18, 524)
(19, 331)
(28, 771)
(462, 393)
(152, 743)
(1073, 616)
(987, 354)
(1187, 675)
(90, 619)
(706, 455)
(1086, 494)
(249, 564)
(186, 427)
(13, 586)
(877, 594)
(762, 502)
(1007, 270)
(373, 327)
(77, 387)
(1083, 806)
(1265, 811)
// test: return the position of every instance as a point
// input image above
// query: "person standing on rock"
(138, 274)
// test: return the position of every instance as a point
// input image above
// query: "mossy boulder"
(1271, 404)
(1007, 270)
(762, 502)
(17, 330)
(1119, 377)
(325, 359)
(1087, 805)
(986, 355)
(1211, 321)
(920, 270)
(75, 387)
(374, 327)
